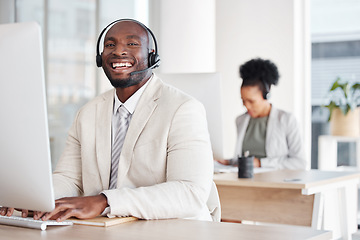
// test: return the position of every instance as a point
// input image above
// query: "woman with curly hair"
(269, 134)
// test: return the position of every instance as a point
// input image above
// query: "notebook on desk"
(101, 221)
(25, 173)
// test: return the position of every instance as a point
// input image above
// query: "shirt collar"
(132, 101)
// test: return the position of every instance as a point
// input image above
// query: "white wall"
(185, 31)
(274, 30)
(277, 30)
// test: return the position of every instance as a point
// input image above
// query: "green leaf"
(355, 86)
(331, 106)
(335, 85)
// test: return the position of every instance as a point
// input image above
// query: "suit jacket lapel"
(143, 111)
(104, 110)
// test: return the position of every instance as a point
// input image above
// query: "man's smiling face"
(126, 49)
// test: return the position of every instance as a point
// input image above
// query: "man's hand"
(5, 211)
(80, 207)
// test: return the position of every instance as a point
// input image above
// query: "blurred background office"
(311, 41)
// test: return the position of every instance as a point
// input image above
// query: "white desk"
(288, 197)
(328, 159)
(164, 230)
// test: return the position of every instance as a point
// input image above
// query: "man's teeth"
(123, 64)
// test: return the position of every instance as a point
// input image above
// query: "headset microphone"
(156, 64)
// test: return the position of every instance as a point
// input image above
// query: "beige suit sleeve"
(189, 170)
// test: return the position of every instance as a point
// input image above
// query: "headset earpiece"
(266, 95)
(266, 92)
(99, 60)
(154, 60)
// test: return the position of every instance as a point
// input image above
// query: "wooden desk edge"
(234, 181)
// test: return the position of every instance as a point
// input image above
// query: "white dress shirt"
(129, 104)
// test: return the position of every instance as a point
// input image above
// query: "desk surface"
(166, 229)
(289, 179)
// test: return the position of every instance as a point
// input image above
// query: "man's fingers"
(24, 213)
(38, 215)
(67, 214)
(59, 208)
(3, 211)
(48, 215)
(10, 212)
(59, 216)
(80, 207)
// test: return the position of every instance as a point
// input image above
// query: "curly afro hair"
(259, 72)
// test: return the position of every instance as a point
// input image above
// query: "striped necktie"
(123, 124)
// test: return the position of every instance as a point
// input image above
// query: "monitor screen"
(25, 173)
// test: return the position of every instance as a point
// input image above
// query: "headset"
(266, 92)
(153, 58)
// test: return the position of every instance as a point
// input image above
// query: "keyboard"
(30, 222)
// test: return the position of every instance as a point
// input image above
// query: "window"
(335, 29)
(70, 33)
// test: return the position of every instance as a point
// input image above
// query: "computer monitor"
(25, 164)
(205, 87)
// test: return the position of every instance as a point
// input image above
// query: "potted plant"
(344, 111)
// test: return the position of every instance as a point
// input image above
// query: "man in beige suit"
(165, 167)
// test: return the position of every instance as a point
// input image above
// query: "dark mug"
(246, 167)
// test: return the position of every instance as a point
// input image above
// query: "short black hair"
(258, 72)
